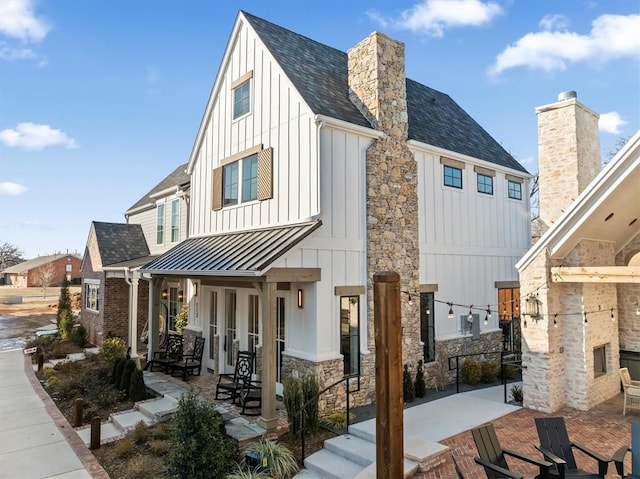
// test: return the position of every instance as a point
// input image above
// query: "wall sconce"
(165, 294)
(532, 307)
(195, 289)
(180, 295)
(300, 298)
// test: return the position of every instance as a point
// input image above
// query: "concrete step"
(329, 465)
(364, 430)
(158, 409)
(307, 474)
(410, 468)
(125, 421)
(108, 433)
(352, 448)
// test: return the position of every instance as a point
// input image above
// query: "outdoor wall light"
(300, 298)
(195, 289)
(165, 294)
(180, 295)
(532, 306)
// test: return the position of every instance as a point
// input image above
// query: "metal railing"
(507, 358)
(303, 410)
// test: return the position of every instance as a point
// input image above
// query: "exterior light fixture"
(637, 309)
(532, 307)
(180, 295)
(470, 315)
(613, 318)
(488, 311)
(164, 294)
(585, 318)
(195, 289)
(450, 314)
(555, 320)
(300, 298)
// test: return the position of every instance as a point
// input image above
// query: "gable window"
(515, 189)
(241, 99)
(485, 184)
(452, 176)
(160, 225)
(175, 220)
(92, 294)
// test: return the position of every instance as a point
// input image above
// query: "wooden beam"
(268, 419)
(293, 275)
(596, 274)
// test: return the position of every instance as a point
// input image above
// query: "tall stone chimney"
(568, 153)
(377, 86)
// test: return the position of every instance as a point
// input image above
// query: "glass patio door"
(230, 331)
(280, 340)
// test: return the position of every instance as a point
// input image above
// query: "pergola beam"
(596, 274)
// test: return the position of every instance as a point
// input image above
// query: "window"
(175, 220)
(92, 295)
(241, 99)
(509, 309)
(485, 184)
(175, 304)
(515, 190)
(452, 176)
(253, 325)
(230, 182)
(160, 225)
(599, 361)
(250, 178)
(230, 337)
(350, 333)
(427, 327)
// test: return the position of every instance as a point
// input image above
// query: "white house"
(312, 170)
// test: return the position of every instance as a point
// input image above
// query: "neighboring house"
(48, 270)
(582, 275)
(115, 294)
(312, 170)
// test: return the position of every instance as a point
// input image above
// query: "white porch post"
(268, 419)
(154, 338)
(133, 314)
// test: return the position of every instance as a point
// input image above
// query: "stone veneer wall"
(629, 299)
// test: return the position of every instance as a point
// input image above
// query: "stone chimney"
(568, 153)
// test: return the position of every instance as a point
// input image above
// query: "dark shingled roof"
(319, 73)
(177, 177)
(119, 242)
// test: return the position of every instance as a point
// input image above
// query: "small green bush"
(160, 447)
(79, 336)
(310, 390)
(140, 466)
(280, 461)
(338, 420)
(421, 383)
(140, 433)
(125, 380)
(516, 393)
(124, 447)
(117, 375)
(137, 389)
(489, 371)
(510, 371)
(113, 348)
(408, 388)
(293, 399)
(470, 371)
(65, 324)
(256, 473)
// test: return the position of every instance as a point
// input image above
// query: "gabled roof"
(178, 179)
(607, 210)
(319, 73)
(25, 266)
(118, 242)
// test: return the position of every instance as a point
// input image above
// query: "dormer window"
(242, 95)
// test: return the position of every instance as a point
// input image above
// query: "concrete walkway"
(36, 441)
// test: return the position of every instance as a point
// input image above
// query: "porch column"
(268, 419)
(154, 338)
(133, 314)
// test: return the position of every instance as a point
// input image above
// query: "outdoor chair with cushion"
(190, 363)
(250, 398)
(172, 354)
(229, 385)
(557, 448)
(492, 456)
(631, 391)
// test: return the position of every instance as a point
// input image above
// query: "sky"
(101, 99)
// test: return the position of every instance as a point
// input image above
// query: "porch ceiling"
(237, 254)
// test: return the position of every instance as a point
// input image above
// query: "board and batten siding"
(148, 220)
(468, 240)
(278, 118)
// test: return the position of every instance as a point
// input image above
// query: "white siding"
(148, 220)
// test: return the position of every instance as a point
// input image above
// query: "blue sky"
(101, 99)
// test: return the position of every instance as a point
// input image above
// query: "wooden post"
(95, 433)
(77, 412)
(40, 362)
(389, 402)
(635, 448)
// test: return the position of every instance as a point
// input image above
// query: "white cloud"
(35, 137)
(611, 37)
(8, 188)
(433, 17)
(10, 54)
(554, 22)
(18, 20)
(611, 122)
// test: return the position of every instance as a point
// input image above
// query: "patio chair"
(229, 385)
(250, 398)
(557, 448)
(190, 363)
(492, 456)
(631, 391)
(172, 354)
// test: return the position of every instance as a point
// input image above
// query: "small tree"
(421, 383)
(44, 277)
(293, 399)
(64, 316)
(125, 380)
(408, 388)
(137, 389)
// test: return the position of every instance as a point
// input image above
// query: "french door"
(281, 314)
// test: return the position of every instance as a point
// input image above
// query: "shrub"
(117, 375)
(140, 433)
(516, 393)
(338, 420)
(470, 371)
(125, 380)
(310, 390)
(293, 399)
(510, 371)
(421, 383)
(65, 324)
(408, 388)
(256, 473)
(79, 335)
(60, 349)
(489, 371)
(137, 389)
(182, 318)
(64, 315)
(159, 447)
(139, 467)
(113, 348)
(200, 447)
(281, 462)
(124, 447)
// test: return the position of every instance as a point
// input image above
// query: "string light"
(488, 311)
(450, 314)
(555, 320)
(585, 318)
(470, 315)
(613, 318)
(637, 309)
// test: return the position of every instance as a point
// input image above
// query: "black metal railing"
(303, 410)
(507, 358)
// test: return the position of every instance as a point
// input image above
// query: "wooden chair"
(250, 398)
(190, 363)
(229, 385)
(631, 391)
(492, 456)
(172, 354)
(557, 448)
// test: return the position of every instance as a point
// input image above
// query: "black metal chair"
(492, 456)
(250, 398)
(557, 448)
(172, 354)
(190, 363)
(229, 385)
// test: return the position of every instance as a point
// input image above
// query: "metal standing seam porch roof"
(240, 253)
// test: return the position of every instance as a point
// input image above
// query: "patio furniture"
(557, 448)
(492, 456)
(631, 391)
(229, 385)
(250, 398)
(190, 363)
(618, 457)
(172, 354)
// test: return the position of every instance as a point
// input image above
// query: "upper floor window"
(515, 189)
(175, 220)
(485, 184)
(242, 95)
(452, 176)
(250, 178)
(160, 225)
